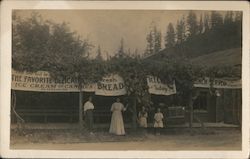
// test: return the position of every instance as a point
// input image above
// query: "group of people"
(158, 119)
(117, 124)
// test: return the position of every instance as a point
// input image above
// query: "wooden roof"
(230, 57)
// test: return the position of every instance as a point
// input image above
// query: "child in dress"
(158, 124)
(142, 118)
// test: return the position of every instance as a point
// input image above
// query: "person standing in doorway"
(117, 125)
(88, 113)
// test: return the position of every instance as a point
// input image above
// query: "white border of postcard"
(8, 6)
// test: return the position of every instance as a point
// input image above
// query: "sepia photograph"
(126, 80)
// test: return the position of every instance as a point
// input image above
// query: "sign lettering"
(112, 85)
(218, 83)
(158, 88)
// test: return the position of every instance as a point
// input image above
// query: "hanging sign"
(89, 87)
(218, 83)
(112, 85)
(41, 81)
(158, 88)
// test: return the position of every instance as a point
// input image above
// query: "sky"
(107, 27)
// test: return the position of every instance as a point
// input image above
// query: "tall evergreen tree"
(129, 52)
(216, 20)
(192, 24)
(238, 23)
(136, 54)
(181, 30)
(153, 40)
(206, 22)
(121, 52)
(157, 42)
(238, 17)
(150, 43)
(201, 25)
(228, 17)
(170, 36)
(99, 54)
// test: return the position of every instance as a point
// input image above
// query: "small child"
(158, 124)
(142, 118)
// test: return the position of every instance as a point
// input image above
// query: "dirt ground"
(170, 139)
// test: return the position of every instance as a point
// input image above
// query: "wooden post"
(80, 109)
(191, 112)
(233, 107)
(134, 118)
(239, 103)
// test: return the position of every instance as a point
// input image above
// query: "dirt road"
(220, 140)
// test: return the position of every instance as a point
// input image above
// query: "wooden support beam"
(80, 109)
(191, 111)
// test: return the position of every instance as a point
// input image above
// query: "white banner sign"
(158, 88)
(112, 85)
(218, 83)
(42, 82)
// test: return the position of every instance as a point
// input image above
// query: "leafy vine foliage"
(43, 45)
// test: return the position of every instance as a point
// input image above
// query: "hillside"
(230, 57)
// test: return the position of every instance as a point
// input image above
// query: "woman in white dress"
(117, 125)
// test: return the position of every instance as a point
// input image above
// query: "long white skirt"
(117, 125)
